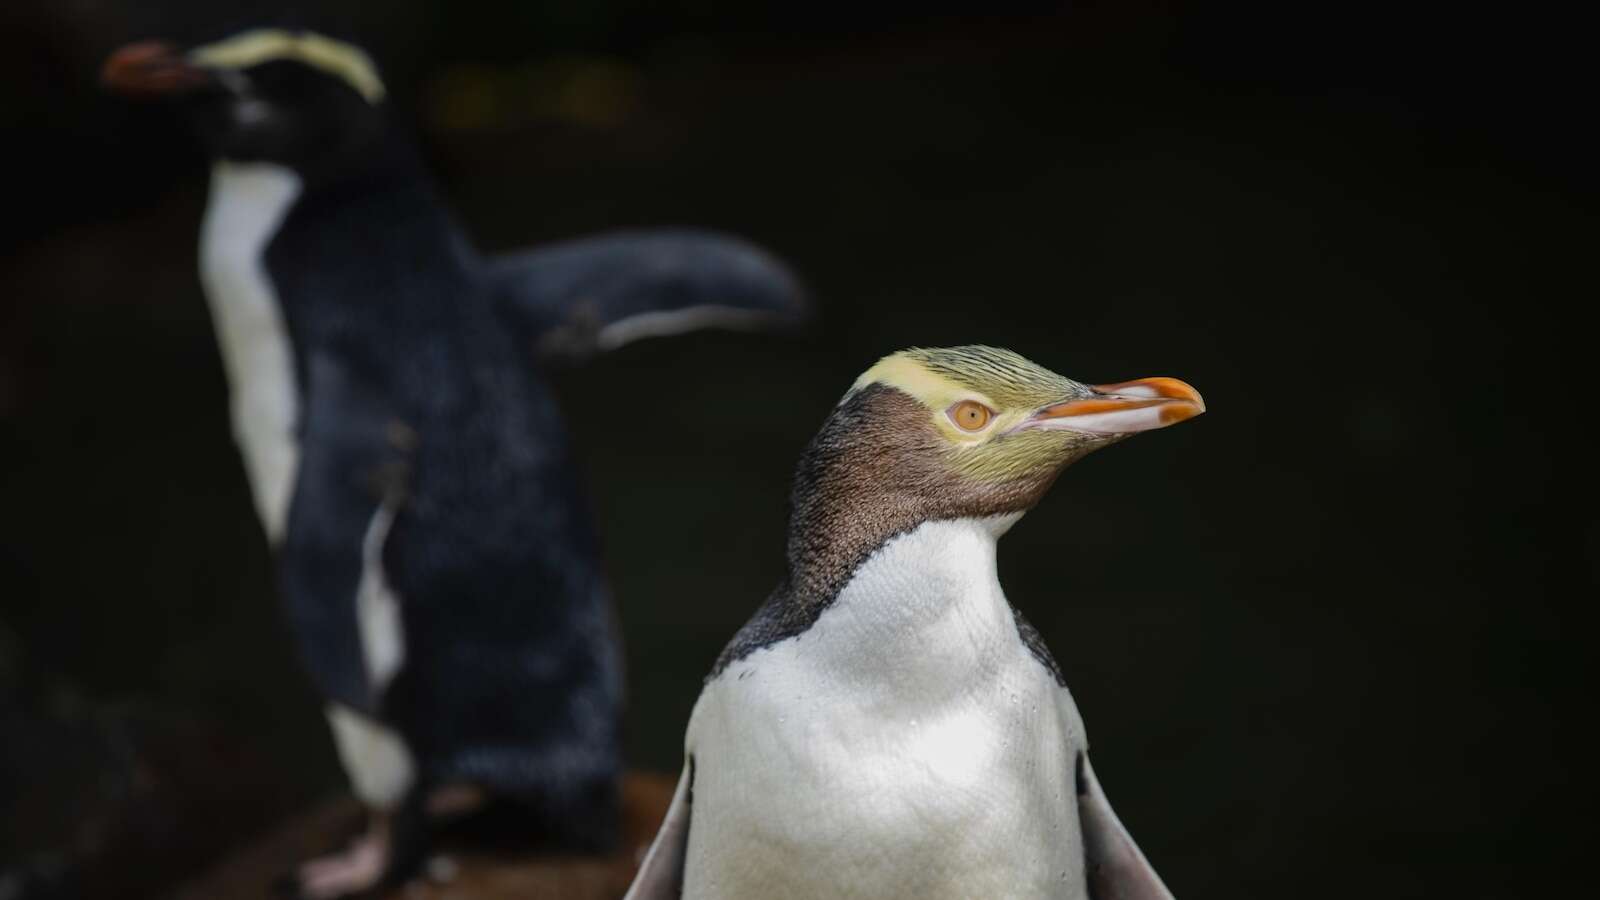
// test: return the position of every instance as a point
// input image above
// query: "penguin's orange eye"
(970, 415)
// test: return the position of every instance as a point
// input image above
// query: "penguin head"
(971, 432)
(295, 98)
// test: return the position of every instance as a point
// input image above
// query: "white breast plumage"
(247, 204)
(906, 745)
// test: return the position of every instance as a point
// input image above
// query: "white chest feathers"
(248, 203)
(906, 745)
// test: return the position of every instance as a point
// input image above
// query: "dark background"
(1331, 638)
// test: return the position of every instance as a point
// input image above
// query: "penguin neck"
(385, 196)
(384, 160)
(930, 599)
(328, 246)
(875, 471)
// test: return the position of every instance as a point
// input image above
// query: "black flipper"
(353, 462)
(661, 874)
(590, 295)
(1115, 868)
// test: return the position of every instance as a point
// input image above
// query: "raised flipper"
(661, 874)
(1115, 868)
(591, 295)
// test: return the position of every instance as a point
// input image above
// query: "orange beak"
(1124, 408)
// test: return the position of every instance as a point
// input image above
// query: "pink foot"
(357, 869)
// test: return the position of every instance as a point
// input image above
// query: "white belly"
(247, 204)
(907, 745)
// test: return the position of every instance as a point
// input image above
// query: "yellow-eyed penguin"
(887, 725)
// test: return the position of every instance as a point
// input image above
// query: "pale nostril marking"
(235, 81)
(251, 112)
(1138, 390)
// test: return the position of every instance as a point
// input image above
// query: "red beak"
(150, 69)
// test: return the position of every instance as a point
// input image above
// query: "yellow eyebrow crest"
(252, 48)
(912, 377)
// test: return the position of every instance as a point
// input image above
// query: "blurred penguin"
(407, 461)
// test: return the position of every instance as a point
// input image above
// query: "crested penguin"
(407, 462)
(887, 724)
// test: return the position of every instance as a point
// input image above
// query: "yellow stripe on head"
(904, 372)
(939, 376)
(252, 48)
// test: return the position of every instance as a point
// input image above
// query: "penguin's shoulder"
(784, 615)
(1033, 641)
